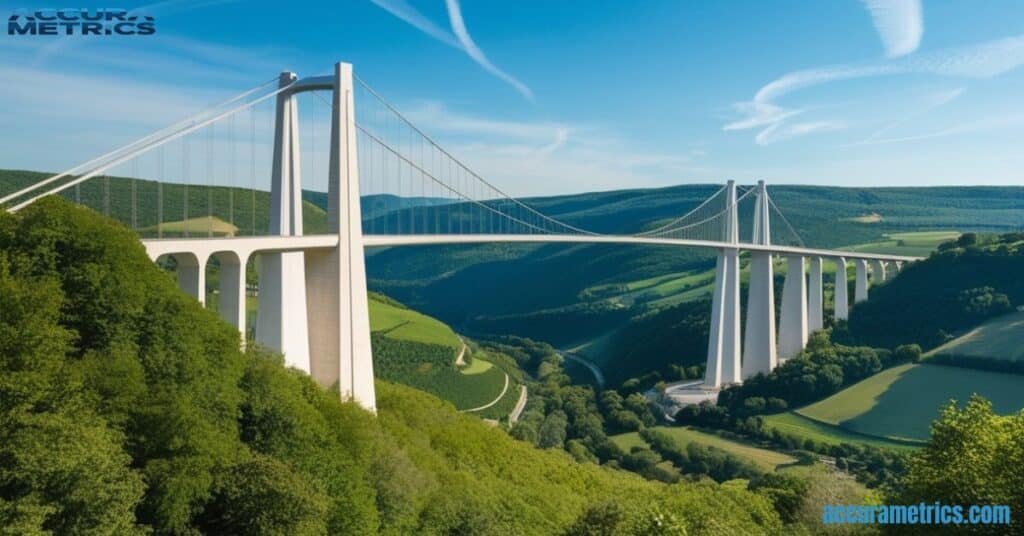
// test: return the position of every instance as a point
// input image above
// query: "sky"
(549, 97)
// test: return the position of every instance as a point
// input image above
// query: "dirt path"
(492, 402)
(520, 405)
(461, 360)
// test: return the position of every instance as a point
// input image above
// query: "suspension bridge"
(233, 187)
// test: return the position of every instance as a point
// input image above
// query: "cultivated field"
(767, 459)
(999, 338)
(405, 324)
(805, 428)
(901, 402)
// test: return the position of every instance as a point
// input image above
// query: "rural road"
(592, 367)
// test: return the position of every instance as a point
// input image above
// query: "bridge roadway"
(246, 246)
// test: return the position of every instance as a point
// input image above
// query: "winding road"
(592, 367)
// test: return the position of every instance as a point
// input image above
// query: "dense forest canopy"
(126, 407)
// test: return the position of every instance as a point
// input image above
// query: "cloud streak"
(458, 37)
(983, 60)
(899, 23)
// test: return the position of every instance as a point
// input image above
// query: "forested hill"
(958, 287)
(126, 408)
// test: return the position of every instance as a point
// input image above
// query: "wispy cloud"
(929, 103)
(543, 157)
(972, 126)
(983, 60)
(458, 37)
(899, 24)
(780, 131)
(409, 14)
(436, 118)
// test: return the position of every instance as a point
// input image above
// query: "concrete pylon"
(877, 272)
(840, 298)
(759, 347)
(793, 324)
(281, 323)
(723, 360)
(860, 288)
(815, 297)
(191, 275)
(339, 334)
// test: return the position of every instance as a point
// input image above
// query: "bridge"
(385, 183)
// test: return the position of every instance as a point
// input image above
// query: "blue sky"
(551, 97)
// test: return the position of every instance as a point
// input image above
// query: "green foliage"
(959, 287)
(785, 491)
(143, 416)
(820, 370)
(969, 460)
(431, 367)
(695, 458)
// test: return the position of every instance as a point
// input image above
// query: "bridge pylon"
(723, 360)
(339, 329)
(282, 320)
(759, 346)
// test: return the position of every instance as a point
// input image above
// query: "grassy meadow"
(902, 401)
(764, 458)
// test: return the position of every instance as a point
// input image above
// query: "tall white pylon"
(840, 295)
(281, 323)
(723, 360)
(815, 297)
(339, 334)
(759, 347)
(793, 324)
(860, 287)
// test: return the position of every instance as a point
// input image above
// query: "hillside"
(960, 286)
(997, 339)
(161, 424)
(422, 352)
(901, 402)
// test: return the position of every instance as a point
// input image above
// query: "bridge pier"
(793, 324)
(815, 297)
(339, 334)
(860, 288)
(191, 275)
(231, 304)
(891, 269)
(840, 295)
(878, 272)
(759, 347)
(723, 362)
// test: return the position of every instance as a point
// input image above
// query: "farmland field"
(999, 338)
(399, 323)
(764, 458)
(902, 401)
(918, 244)
(805, 428)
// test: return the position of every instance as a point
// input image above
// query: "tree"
(939, 472)
(552, 431)
(264, 496)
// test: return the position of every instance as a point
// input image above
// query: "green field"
(477, 366)
(764, 458)
(805, 428)
(901, 402)
(999, 338)
(417, 350)
(405, 324)
(917, 244)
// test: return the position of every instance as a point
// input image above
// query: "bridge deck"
(158, 247)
